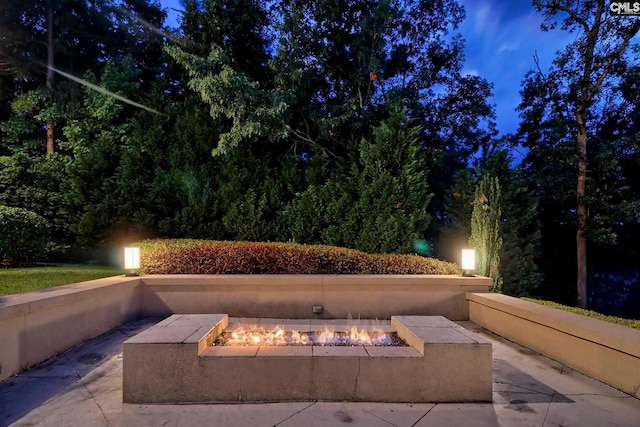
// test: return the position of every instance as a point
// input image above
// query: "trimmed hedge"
(23, 236)
(184, 256)
(589, 313)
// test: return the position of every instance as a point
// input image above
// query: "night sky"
(502, 38)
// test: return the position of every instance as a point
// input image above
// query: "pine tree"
(393, 193)
(380, 204)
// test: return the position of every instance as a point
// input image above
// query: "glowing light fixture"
(468, 262)
(132, 260)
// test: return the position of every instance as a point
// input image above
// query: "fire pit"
(177, 361)
(356, 333)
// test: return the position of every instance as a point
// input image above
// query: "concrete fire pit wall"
(174, 362)
(293, 296)
(35, 326)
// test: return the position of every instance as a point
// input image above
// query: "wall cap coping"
(317, 279)
(617, 337)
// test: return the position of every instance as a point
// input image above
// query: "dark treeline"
(345, 123)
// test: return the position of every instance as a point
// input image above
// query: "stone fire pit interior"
(175, 361)
(265, 332)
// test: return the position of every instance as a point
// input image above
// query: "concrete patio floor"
(83, 387)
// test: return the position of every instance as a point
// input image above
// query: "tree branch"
(554, 7)
(564, 110)
(623, 46)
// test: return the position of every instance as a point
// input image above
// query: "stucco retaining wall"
(602, 350)
(293, 296)
(35, 326)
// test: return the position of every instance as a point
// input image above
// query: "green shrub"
(217, 257)
(23, 236)
(589, 313)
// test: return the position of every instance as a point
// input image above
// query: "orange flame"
(280, 336)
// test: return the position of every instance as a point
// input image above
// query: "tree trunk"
(581, 238)
(50, 74)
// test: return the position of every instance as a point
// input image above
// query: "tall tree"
(334, 67)
(232, 79)
(392, 186)
(50, 69)
(577, 80)
(115, 162)
(379, 204)
(486, 228)
(519, 224)
(520, 227)
(238, 27)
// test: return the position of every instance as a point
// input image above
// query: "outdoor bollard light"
(468, 262)
(132, 261)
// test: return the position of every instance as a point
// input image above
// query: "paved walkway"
(83, 387)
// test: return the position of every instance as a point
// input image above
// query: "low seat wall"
(602, 350)
(35, 326)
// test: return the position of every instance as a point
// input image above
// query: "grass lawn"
(17, 280)
(618, 320)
